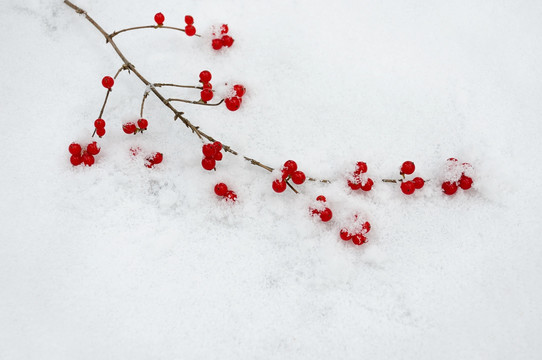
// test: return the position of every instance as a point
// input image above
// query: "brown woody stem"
(112, 35)
(199, 102)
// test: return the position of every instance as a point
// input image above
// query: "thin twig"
(112, 35)
(199, 102)
(143, 102)
(181, 86)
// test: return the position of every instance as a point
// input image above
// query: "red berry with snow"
(189, 20)
(221, 189)
(159, 18)
(368, 185)
(217, 44)
(465, 182)
(224, 29)
(206, 95)
(321, 198)
(208, 163)
(100, 132)
(99, 123)
(298, 177)
(157, 158)
(449, 187)
(142, 123)
(365, 228)
(240, 90)
(407, 187)
(326, 215)
(93, 148)
(408, 168)
(75, 149)
(88, 159)
(354, 185)
(227, 40)
(279, 185)
(359, 239)
(231, 196)
(418, 182)
(361, 167)
(233, 103)
(76, 159)
(205, 76)
(345, 235)
(190, 30)
(129, 128)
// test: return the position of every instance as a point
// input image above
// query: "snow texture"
(119, 261)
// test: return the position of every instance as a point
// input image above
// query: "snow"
(121, 261)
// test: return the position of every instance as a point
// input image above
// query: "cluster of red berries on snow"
(409, 186)
(212, 153)
(320, 209)
(288, 171)
(131, 128)
(221, 38)
(205, 80)
(457, 176)
(189, 29)
(356, 231)
(80, 156)
(233, 103)
(221, 189)
(359, 180)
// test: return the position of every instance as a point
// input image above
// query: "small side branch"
(147, 27)
(199, 102)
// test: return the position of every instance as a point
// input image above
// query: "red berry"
(233, 103)
(452, 159)
(361, 167)
(208, 163)
(129, 128)
(217, 146)
(298, 177)
(326, 215)
(142, 123)
(279, 185)
(368, 185)
(221, 189)
(208, 150)
(88, 159)
(345, 235)
(93, 148)
(449, 187)
(76, 159)
(205, 76)
(218, 156)
(99, 123)
(231, 196)
(240, 90)
(290, 166)
(224, 29)
(407, 187)
(217, 44)
(408, 168)
(321, 198)
(189, 20)
(206, 95)
(207, 86)
(227, 40)
(418, 182)
(159, 18)
(354, 185)
(190, 30)
(359, 239)
(108, 82)
(465, 182)
(157, 158)
(74, 149)
(100, 132)
(365, 228)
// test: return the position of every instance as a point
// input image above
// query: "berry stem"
(181, 86)
(196, 102)
(112, 35)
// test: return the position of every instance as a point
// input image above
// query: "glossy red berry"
(221, 189)
(298, 177)
(368, 185)
(217, 146)
(233, 103)
(224, 29)
(359, 239)
(100, 132)
(190, 30)
(189, 20)
(240, 90)
(99, 123)
(129, 128)
(365, 228)
(407, 187)
(279, 185)
(88, 159)
(231, 196)
(74, 149)
(289, 167)
(361, 167)
(157, 158)
(217, 44)
(321, 198)
(218, 156)
(449, 187)
(207, 86)
(208, 150)
(408, 168)
(227, 40)
(208, 163)
(93, 148)
(108, 82)
(418, 182)
(354, 185)
(326, 215)
(142, 123)
(205, 76)
(159, 18)
(465, 182)
(76, 160)
(345, 235)
(206, 95)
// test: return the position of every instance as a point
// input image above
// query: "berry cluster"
(409, 186)
(222, 39)
(319, 208)
(358, 179)
(356, 231)
(108, 82)
(457, 175)
(99, 125)
(159, 18)
(80, 156)
(207, 92)
(233, 103)
(189, 29)
(131, 128)
(288, 171)
(212, 153)
(221, 189)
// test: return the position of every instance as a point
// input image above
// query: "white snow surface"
(118, 261)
